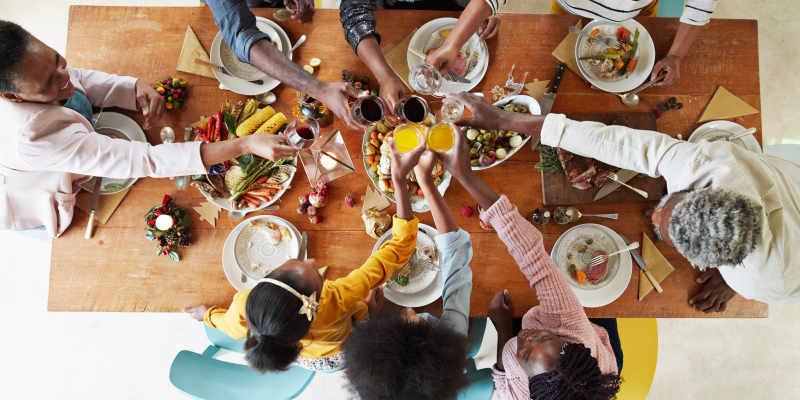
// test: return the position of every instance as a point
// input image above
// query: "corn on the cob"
(237, 110)
(249, 109)
(251, 124)
(226, 107)
(273, 124)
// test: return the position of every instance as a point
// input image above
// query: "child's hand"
(425, 166)
(196, 312)
(375, 301)
(402, 163)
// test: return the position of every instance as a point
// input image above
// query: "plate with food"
(716, 130)
(601, 284)
(120, 127)
(420, 273)
(243, 73)
(473, 58)
(263, 244)
(377, 162)
(616, 69)
(491, 147)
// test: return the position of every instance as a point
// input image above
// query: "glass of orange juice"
(407, 137)
(441, 137)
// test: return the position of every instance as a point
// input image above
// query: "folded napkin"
(565, 52)
(106, 204)
(658, 266)
(725, 105)
(193, 49)
(537, 89)
(398, 59)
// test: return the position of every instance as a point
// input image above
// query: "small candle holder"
(323, 167)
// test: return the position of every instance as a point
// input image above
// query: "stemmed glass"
(368, 110)
(301, 134)
(427, 80)
(412, 109)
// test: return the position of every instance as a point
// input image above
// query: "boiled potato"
(371, 150)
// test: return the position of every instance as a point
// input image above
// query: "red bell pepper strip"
(218, 127)
(212, 122)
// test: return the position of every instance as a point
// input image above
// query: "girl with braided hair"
(559, 354)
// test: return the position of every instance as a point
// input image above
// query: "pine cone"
(172, 239)
(184, 242)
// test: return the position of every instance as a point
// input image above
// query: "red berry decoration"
(658, 113)
(466, 211)
(169, 247)
(315, 219)
(349, 201)
(175, 235)
(180, 91)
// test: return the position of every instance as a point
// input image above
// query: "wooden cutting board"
(556, 190)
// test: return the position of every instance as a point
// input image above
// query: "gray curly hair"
(715, 227)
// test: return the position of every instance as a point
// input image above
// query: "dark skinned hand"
(715, 294)
(501, 309)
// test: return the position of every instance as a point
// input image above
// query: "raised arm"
(473, 17)
(238, 26)
(696, 14)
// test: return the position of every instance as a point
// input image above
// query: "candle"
(327, 162)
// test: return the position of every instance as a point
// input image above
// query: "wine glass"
(427, 80)
(412, 109)
(301, 134)
(368, 110)
(452, 109)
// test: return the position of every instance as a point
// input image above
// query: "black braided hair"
(577, 377)
(14, 41)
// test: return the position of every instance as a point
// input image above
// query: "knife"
(303, 244)
(452, 76)
(548, 98)
(95, 197)
(624, 175)
(642, 265)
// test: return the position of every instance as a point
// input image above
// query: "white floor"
(127, 356)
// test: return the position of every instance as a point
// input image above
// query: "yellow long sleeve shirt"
(339, 301)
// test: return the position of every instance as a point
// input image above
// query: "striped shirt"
(696, 12)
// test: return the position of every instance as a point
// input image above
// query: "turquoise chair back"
(481, 384)
(476, 335)
(221, 340)
(202, 377)
(670, 8)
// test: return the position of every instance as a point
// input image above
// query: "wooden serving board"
(556, 190)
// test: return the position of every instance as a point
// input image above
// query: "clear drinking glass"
(408, 137)
(452, 109)
(309, 106)
(412, 109)
(427, 80)
(368, 110)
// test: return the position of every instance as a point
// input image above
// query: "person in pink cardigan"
(559, 353)
(50, 147)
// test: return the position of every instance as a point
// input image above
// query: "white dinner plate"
(419, 40)
(533, 107)
(225, 204)
(253, 249)
(241, 86)
(420, 276)
(229, 265)
(611, 291)
(111, 123)
(714, 129)
(425, 296)
(646, 54)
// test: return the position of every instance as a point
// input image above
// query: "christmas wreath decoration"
(168, 225)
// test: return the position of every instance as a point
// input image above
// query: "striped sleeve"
(697, 12)
(494, 5)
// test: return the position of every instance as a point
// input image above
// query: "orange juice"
(406, 138)
(441, 137)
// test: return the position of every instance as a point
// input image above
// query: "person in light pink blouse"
(559, 353)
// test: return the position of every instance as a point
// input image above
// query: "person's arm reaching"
(501, 312)
(238, 27)
(392, 87)
(473, 18)
(696, 14)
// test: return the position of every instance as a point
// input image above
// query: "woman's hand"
(489, 28)
(196, 312)
(442, 58)
(335, 96)
(271, 147)
(501, 309)
(670, 64)
(302, 10)
(392, 91)
(150, 102)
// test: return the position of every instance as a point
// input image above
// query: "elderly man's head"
(29, 69)
(710, 227)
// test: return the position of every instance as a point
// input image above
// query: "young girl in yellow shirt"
(280, 317)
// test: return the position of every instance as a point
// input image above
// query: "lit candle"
(327, 162)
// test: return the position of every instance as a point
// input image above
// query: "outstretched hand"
(150, 103)
(196, 312)
(489, 28)
(402, 163)
(458, 160)
(335, 96)
(671, 65)
(715, 294)
(302, 10)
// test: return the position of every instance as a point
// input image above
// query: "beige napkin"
(209, 212)
(565, 52)
(106, 204)
(725, 105)
(537, 89)
(193, 49)
(398, 59)
(658, 266)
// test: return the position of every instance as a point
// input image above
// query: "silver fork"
(615, 178)
(601, 259)
(608, 42)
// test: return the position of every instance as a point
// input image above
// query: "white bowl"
(533, 107)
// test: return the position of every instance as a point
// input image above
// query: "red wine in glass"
(368, 110)
(302, 133)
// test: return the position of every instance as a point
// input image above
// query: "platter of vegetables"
(377, 162)
(249, 182)
(491, 147)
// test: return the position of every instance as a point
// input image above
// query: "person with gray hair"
(731, 212)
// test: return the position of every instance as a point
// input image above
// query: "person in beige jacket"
(49, 146)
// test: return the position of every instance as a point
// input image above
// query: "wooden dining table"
(118, 269)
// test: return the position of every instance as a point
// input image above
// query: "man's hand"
(196, 312)
(501, 309)
(402, 163)
(271, 147)
(302, 10)
(150, 102)
(670, 64)
(488, 116)
(489, 28)
(442, 58)
(392, 91)
(715, 294)
(334, 96)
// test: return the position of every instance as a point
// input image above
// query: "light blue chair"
(670, 8)
(476, 335)
(201, 376)
(788, 152)
(481, 385)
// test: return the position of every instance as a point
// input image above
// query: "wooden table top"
(118, 270)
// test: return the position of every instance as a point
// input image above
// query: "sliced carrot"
(595, 32)
(262, 192)
(419, 192)
(632, 65)
(618, 64)
(441, 172)
(373, 135)
(581, 276)
(371, 160)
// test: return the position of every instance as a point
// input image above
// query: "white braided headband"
(310, 305)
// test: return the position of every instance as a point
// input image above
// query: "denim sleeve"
(456, 249)
(238, 26)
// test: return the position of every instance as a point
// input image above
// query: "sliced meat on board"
(579, 170)
(598, 272)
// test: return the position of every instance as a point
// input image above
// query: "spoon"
(299, 42)
(602, 258)
(631, 98)
(266, 98)
(736, 136)
(167, 135)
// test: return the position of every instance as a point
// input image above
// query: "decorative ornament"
(498, 93)
(374, 199)
(515, 88)
(209, 212)
(537, 89)
(466, 211)
(168, 225)
(349, 201)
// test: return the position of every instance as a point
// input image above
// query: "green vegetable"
(548, 160)
(261, 168)
(632, 53)
(245, 161)
(401, 280)
(230, 123)
(113, 186)
(201, 177)
(602, 57)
